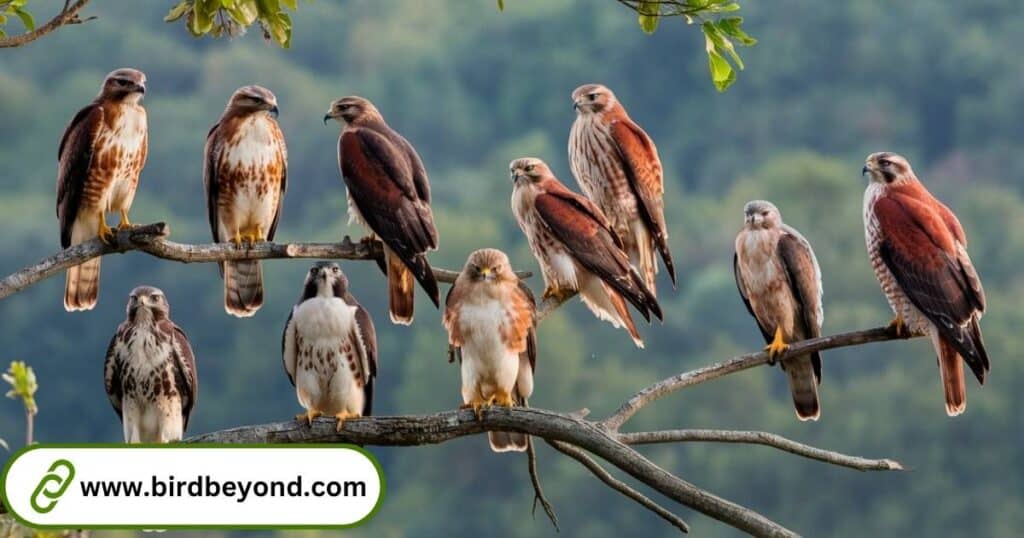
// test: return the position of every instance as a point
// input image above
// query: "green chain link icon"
(51, 477)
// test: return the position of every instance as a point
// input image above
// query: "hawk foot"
(341, 418)
(557, 294)
(898, 328)
(477, 405)
(308, 416)
(125, 224)
(503, 399)
(105, 233)
(777, 347)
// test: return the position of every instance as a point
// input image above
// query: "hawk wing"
(804, 279)
(211, 176)
(279, 136)
(113, 369)
(289, 353)
(528, 314)
(365, 336)
(450, 319)
(933, 270)
(382, 182)
(594, 245)
(186, 380)
(742, 288)
(74, 157)
(643, 171)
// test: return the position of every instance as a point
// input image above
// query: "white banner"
(174, 486)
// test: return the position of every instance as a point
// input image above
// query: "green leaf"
(202, 16)
(23, 384)
(731, 27)
(501, 5)
(291, 4)
(244, 12)
(26, 19)
(722, 74)
(178, 11)
(648, 16)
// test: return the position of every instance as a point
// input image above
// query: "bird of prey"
(779, 280)
(388, 192)
(489, 315)
(617, 166)
(150, 371)
(330, 348)
(245, 172)
(100, 157)
(577, 248)
(919, 253)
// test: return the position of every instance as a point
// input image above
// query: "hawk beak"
(487, 273)
(273, 111)
(141, 88)
(864, 171)
(326, 118)
(575, 106)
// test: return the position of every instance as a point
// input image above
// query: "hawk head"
(888, 168)
(489, 265)
(123, 84)
(325, 279)
(528, 170)
(252, 99)
(761, 214)
(352, 110)
(592, 98)
(146, 304)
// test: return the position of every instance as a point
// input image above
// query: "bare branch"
(738, 364)
(68, 15)
(619, 485)
(151, 239)
(538, 492)
(760, 438)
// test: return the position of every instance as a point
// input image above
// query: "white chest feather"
(324, 320)
(255, 144)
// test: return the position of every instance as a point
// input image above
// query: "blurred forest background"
(473, 88)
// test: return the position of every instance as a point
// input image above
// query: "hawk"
(779, 280)
(329, 348)
(150, 371)
(245, 172)
(919, 253)
(577, 248)
(100, 157)
(617, 166)
(489, 315)
(388, 192)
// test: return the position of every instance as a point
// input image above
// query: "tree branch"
(538, 492)
(738, 364)
(619, 485)
(760, 438)
(151, 239)
(68, 15)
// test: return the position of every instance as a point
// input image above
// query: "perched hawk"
(101, 153)
(617, 166)
(330, 348)
(780, 282)
(150, 372)
(919, 253)
(577, 248)
(389, 193)
(489, 315)
(246, 173)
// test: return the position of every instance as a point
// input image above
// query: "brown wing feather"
(211, 179)
(186, 378)
(283, 163)
(112, 372)
(74, 157)
(742, 288)
(529, 304)
(803, 276)
(379, 180)
(920, 252)
(644, 173)
(595, 247)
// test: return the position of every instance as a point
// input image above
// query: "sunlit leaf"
(648, 16)
(501, 5)
(26, 19)
(178, 11)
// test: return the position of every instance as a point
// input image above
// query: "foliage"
(23, 384)
(232, 17)
(15, 8)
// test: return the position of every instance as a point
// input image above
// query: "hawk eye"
(528, 168)
(335, 270)
(155, 297)
(593, 97)
(312, 270)
(764, 213)
(884, 163)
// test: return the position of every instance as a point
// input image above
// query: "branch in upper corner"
(740, 363)
(152, 239)
(619, 485)
(760, 438)
(68, 15)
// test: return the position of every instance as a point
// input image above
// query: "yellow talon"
(237, 238)
(308, 417)
(105, 233)
(341, 418)
(125, 223)
(777, 347)
(504, 399)
(477, 405)
(899, 327)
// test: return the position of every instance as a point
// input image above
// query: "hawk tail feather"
(803, 385)
(951, 371)
(641, 255)
(507, 441)
(82, 287)
(243, 288)
(401, 293)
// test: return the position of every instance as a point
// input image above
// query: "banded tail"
(243, 288)
(803, 385)
(507, 441)
(82, 286)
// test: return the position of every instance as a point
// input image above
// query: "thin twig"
(68, 15)
(151, 239)
(619, 485)
(740, 363)
(760, 438)
(538, 491)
